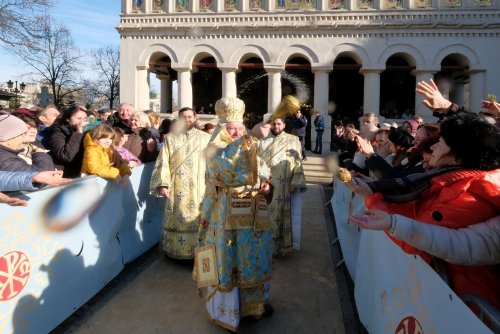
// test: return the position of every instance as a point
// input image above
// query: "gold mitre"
(230, 109)
(288, 107)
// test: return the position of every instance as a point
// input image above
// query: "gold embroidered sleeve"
(161, 174)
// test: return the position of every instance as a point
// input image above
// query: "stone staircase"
(317, 168)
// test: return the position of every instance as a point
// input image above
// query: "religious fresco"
(256, 4)
(205, 5)
(392, 4)
(423, 3)
(181, 5)
(136, 5)
(158, 5)
(336, 4)
(365, 4)
(230, 5)
(295, 4)
(483, 3)
(451, 3)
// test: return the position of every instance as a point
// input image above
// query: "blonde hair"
(102, 131)
(154, 118)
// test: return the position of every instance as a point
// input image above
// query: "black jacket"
(115, 122)
(66, 148)
(10, 161)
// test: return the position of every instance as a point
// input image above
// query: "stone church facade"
(422, 38)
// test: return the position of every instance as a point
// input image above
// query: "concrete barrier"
(68, 244)
(396, 292)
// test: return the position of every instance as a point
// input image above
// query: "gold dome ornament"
(230, 109)
(288, 107)
(344, 175)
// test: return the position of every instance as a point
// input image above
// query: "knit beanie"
(412, 126)
(401, 137)
(11, 127)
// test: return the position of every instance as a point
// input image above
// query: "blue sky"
(91, 23)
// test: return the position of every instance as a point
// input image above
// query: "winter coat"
(16, 181)
(455, 199)
(127, 155)
(115, 122)
(11, 161)
(472, 245)
(66, 148)
(100, 162)
(319, 123)
(137, 145)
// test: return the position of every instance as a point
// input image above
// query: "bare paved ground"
(156, 295)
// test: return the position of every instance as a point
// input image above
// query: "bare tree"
(16, 20)
(105, 65)
(53, 57)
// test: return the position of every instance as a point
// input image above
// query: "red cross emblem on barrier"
(409, 325)
(15, 271)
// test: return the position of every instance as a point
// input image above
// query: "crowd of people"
(434, 188)
(234, 195)
(227, 189)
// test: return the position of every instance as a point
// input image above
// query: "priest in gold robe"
(282, 153)
(233, 264)
(179, 176)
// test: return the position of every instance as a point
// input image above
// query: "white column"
(219, 6)
(273, 90)
(243, 6)
(171, 6)
(228, 82)
(141, 88)
(321, 97)
(477, 90)
(185, 88)
(126, 6)
(458, 93)
(165, 93)
(351, 4)
(194, 6)
(170, 96)
(371, 100)
(420, 109)
(270, 5)
(148, 6)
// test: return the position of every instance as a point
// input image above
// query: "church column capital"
(182, 67)
(321, 69)
(274, 69)
(365, 71)
(163, 76)
(228, 69)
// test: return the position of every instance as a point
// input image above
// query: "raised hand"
(12, 201)
(491, 108)
(372, 220)
(433, 99)
(364, 146)
(51, 177)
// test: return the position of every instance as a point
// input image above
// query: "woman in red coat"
(462, 197)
